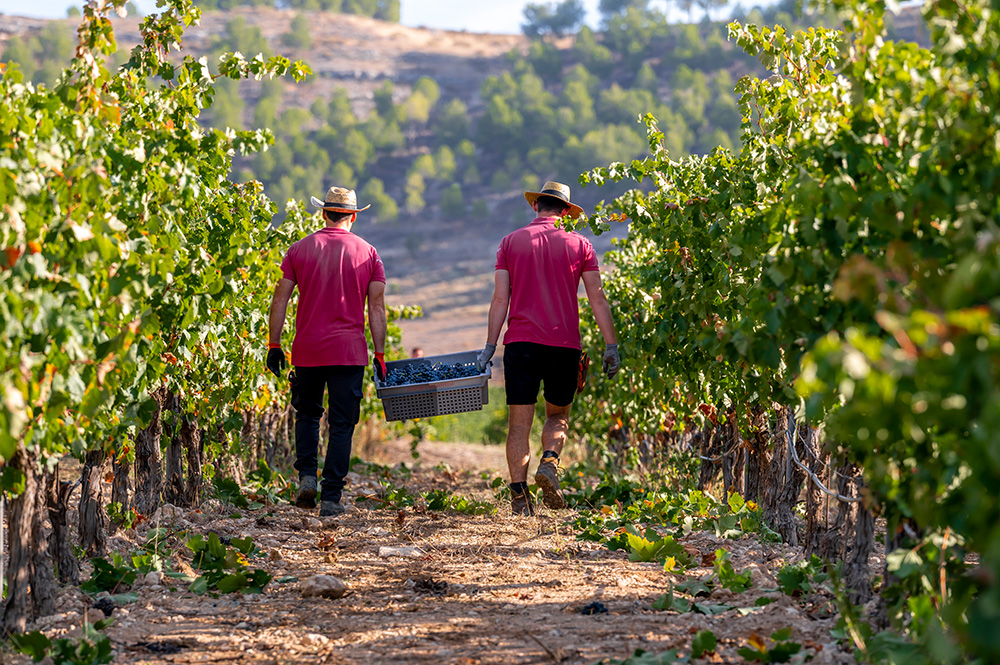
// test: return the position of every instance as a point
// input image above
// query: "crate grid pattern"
(425, 405)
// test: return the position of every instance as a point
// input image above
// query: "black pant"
(344, 384)
(527, 366)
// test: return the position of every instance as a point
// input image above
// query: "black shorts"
(526, 365)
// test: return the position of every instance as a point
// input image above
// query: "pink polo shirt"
(332, 268)
(545, 266)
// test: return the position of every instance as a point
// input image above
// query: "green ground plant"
(727, 575)
(110, 575)
(804, 577)
(92, 647)
(704, 642)
(224, 569)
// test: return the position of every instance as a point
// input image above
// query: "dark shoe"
(520, 501)
(306, 498)
(331, 508)
(547, 478)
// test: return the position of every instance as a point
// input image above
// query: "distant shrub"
(298, 35)
(452, 201)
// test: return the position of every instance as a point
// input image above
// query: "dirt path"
(482, 589)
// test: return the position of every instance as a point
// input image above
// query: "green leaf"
(710, 609)
(703, 642)
(183, 577)
(244, 545)
(34, 644)
(644, 548)
(670, 602)
(903, 563)
(257, 580)
(90, 629)
(231, 583)
(125, 598)
(695, 588)
(11, 480)
(782, 634)
(199, 586)
(782, 653)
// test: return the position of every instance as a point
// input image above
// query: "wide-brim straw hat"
(339, 199)
(556, 190)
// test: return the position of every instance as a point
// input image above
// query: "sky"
(499, 16)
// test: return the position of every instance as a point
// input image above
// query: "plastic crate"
(435, 398)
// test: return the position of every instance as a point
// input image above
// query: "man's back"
(545, 266)
(332, 269)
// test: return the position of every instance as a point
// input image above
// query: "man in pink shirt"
(538, 273)
(335, 272)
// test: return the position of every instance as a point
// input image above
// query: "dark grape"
(410, 374)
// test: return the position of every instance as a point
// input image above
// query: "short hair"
(336, 216)
(550, 204)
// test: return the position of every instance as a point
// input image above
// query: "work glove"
(378, 363)
(275, 360)
(611, 360)
(484, 356)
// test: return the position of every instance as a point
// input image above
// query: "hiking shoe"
(306, 498)
(520, 502)
(331, 508)
(547, 478)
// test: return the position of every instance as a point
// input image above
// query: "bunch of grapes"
(402, 376)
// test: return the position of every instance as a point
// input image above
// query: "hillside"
(443, 130)
(356, 53)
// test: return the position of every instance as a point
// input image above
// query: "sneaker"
(306, 498)
(520, 502)
(547, 477)
(331, 508)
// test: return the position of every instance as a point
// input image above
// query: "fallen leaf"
(757, 642)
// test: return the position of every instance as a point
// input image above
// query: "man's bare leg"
(556, 428)
(518, 456)
(554, 434)
(518, 450)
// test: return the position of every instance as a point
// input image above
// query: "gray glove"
(611, 360)
(484, 356)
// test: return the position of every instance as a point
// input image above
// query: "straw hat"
(339, 199)
(555, 190)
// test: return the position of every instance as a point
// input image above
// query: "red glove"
(379, 364)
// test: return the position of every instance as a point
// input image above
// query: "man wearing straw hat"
(538, 273)
(335, 272)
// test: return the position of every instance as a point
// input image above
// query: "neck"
(346, 226)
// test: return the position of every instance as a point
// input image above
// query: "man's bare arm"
(498, 306)
(279, 309)
(377, 322)
(599, 304)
